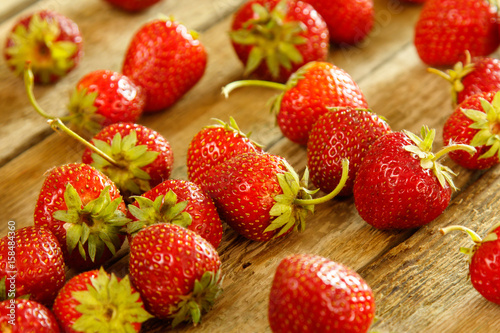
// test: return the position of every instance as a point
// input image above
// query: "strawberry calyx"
(292, 207)
(490, 236)
(83, 112)
(273, 39)
(164, 209)
(455, 75)
(200, 300)
(422, 149)
(232, 126)
(108, 305)
(96, 224)
(38, 44)
(488, 125)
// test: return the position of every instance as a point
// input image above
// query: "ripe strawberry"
(273, 38)
(95, 301)
(84, 210)
(102, 98)
(215, 144)
(447, 28)
(400, 183)
(476, 122)
(260, 195)
(339, 134)
(176, 271)
(470, 78)
(314, 294)
(167, 60)
(49, 40)
(133, 5)
(32, 264)
(348, 21)
(484, 268)
(179, 202)
(142, 157)
(308, 94)
(22, 315)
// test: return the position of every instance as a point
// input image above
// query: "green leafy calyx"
(83, 111)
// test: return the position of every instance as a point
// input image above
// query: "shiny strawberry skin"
(205, 219)
(87, 181)
(316, 34)
(320, 85)
(160, 168)
(165, 261)
(345, 133)
(166, 60)
(441, 39)
(39, 265)
(484, 268)
(392, 190)
(349, 21)
(485, 77)
(243, 189)
(133, 5)
(456, 129)
(30, 316)
(310, 293)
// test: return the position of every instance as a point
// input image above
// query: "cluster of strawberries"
(121, 190)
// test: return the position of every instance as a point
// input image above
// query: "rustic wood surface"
(418, 276)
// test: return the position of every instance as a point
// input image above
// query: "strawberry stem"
(256, 83)
(475, 237)
(332, 194)
(452, 147)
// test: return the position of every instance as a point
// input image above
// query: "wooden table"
(419, 278)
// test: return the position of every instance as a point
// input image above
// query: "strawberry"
(400, 183)
(470, 78)
(476, 122)
(310, 293)
(133, 5)
(339, 134)
(102, 98)
(260, 195)
(180, 202)
(176, 271)
(215, 144)
(484, 269)
(142, 157)
(273, 38)
(348, 21)
(32, 264)
(307, 95)
(22, 315)
(446, 29)
(84, 210)
(49, 40)
(166, 59)
(95, 301)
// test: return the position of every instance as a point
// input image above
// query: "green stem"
(332, 194)
(256, 83)
(475, 237)
(471, 150)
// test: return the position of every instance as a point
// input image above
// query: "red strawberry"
(348, 21)
(167, 60)
(341, 134)
(476, 122)
(273, 38)
(176, 271)
(215, 144)
(84, 210)
(179, 202)
(307, 95)
(22, 315)
(470, 78)
(400, 183)
(32, 264)
(314, 294)
(484, 266)
(102, 98)
(447, 28)
(49, 40)
(95, 301)
(142, 157)
(133, 5)
(260, 195)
